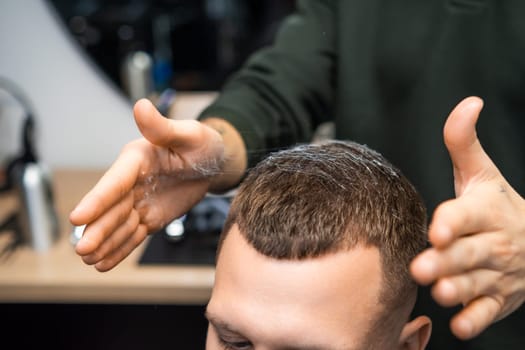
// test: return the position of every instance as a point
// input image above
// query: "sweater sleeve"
(284, 91)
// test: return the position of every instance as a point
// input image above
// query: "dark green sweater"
(388, 73)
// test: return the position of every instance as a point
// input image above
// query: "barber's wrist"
(235, 160)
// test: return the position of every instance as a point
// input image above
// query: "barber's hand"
(478, 239)
(154, 180)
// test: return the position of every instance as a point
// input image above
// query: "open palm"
(154, 180)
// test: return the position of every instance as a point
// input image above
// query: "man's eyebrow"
(308, 348)
(220, 323)
(225, 326)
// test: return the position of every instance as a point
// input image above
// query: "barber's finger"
(463, 216)
(115, 240)
(465, 254)
(97, 232)
(475, 317)
(162, 131)
(119, 254)
(455, 290)
(467, 155)
(118, 180)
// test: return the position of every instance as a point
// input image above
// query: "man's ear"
(415, 334)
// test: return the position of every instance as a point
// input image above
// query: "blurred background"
(81, 64)
(193, 44)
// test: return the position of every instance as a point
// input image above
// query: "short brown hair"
(317, 199)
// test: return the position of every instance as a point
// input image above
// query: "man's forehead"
(339, 291)
(359, 265)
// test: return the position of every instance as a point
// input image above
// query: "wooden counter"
(59, 275)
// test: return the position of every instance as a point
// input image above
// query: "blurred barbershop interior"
(70, 72)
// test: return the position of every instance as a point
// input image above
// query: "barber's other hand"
(154, 180)
(478, 239)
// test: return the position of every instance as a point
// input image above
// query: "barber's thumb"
(461, 140)
(162, 131)
(460, 128)
(151, 123)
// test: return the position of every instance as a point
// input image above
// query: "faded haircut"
(316, 199)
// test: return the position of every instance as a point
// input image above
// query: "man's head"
(315, 252)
